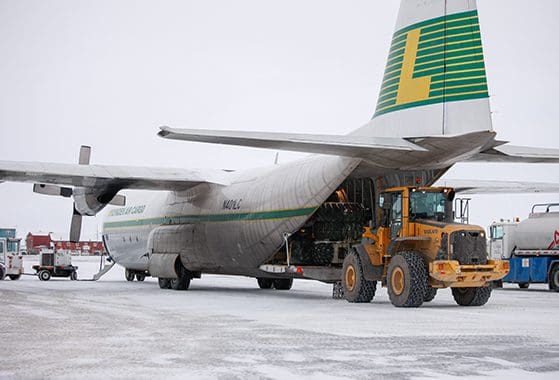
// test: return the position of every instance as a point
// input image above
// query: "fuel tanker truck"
(531, 246)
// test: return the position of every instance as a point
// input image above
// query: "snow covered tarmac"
(225, 327)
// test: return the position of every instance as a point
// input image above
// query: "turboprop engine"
(87, 200)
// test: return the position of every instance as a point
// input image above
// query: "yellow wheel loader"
(417, 248)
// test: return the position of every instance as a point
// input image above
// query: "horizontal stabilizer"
(471, 186)
(519, 154)
(348, 146)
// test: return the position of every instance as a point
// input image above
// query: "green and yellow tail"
(435, 81)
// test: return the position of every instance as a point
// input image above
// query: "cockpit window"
(430, 206)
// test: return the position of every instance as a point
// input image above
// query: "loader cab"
(399, 206)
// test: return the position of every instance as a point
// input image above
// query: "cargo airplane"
(432, 112)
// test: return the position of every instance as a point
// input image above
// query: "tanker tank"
(540, 232)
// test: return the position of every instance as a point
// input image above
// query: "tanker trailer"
(531, 246)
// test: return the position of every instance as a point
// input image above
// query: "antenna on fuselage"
(276, 159)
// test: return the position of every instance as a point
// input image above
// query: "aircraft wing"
(347, 145)
(519, 154)
(470, 186)
(101, 176)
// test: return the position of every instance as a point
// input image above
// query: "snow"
(225, 327)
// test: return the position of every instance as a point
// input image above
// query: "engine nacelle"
(91, 200)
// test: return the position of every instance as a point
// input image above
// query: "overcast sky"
(108, 73)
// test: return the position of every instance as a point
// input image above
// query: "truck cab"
(11, 262)
(501, 239)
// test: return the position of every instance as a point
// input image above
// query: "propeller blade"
(85, 155)
(75, 226)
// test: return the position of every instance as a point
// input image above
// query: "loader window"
(396, 215)
(428, 205)
(1, 247)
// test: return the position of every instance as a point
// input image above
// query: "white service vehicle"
(11, 262)
(54, 263)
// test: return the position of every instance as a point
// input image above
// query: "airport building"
(34, 243)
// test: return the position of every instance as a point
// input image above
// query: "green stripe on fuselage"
(232, 217)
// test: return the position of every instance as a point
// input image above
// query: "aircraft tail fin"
(435, 81)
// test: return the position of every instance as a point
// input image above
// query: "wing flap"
(347, 145)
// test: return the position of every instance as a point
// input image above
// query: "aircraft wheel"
(44, 275)
(554, 278)
(183, 281)
(74, 276)
(523, 285)
(471, 296)
(129, 275)
(140, 276)
(407, 280)
(355, 287)
(430, 294)
(164, 283)
(14, 277)
(283, 283)
(265, 283)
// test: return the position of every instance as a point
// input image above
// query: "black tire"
(407, 280)
(164, 283)
(523, 285)
(554, 278)
(356, 288)
(2, 273)
(265, 283)
(140, 277)
(283, 283)
(14, 277)
(337, 290)
(44, 275)
(129, 275)
(430, 294)
(74, 276)
(183, 281)
(471, 296)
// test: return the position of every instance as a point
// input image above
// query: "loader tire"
(283, 283)
(430, 294)
(74, 276)
(2, 273)
(471, 296)
(129, 275)
(265, 283)
(356, 288)
(407, 280)
(337, 290)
